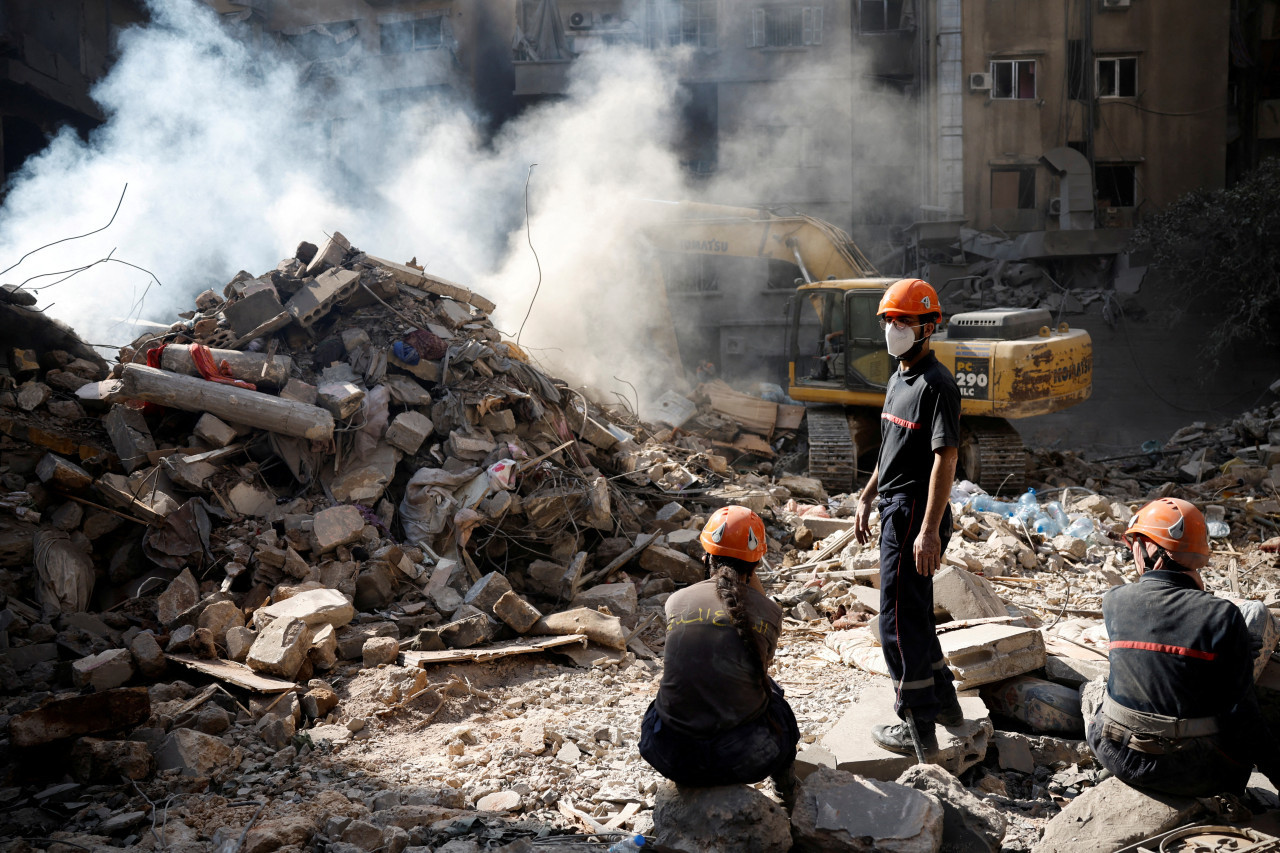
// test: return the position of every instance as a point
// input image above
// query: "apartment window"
(1013, 78)
(407, 36)
(1013, 188)
(786, 26)
(1116, 184)
(1118, 77)
(674, 22)
(879, 16)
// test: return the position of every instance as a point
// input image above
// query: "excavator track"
(992, 455)
(832, 454)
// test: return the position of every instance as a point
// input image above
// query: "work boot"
(784, 784)
(951, 714)
(897, 738)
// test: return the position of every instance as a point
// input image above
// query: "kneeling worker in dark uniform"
(1178, 712)
(719, 719)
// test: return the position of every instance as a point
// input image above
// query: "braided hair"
(731, 575)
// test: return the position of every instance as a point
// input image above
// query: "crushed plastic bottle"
(986, 503)
(1058, 514)
(1028, 498)
(1081, 528)
(627, 845)
(1046, 526)
(1219, 529)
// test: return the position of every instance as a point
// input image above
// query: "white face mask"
(898, 340)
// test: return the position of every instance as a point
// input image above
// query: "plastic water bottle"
(986, 503)
(627, 845)
(1028, 498)
(1081, 528)
(1058, 514)
(1046, 526)
(1219, 529)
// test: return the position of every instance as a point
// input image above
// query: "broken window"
(698, 23)
(669, 23)
(879, 16)
(407, 36)
(1116, 184)
(1013, 188)
(786, 26)
(1118, 77)
(1013, 79)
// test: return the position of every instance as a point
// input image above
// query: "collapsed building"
(329, 562)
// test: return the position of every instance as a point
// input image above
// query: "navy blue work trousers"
(921, 680)
(743, 755)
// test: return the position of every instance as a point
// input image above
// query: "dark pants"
(1193, 767)
(743, 755)
(921, 680)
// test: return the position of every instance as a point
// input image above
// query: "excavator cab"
(835, 341)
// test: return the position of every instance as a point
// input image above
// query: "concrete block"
(824, 527)
(555, 580)
(1089, 822)
(340, 399)
(484, 593)
(317, 297)
(379, 650)
(312, 607)
(330, 255)
(213, 431)
(678, 566)
(454, 314)
(365, 481)
(280, 648)
(337, 525)
(960, 594)
(620, 598)
(499, 421)
(130, 436)
(351, 638)
(516, 612)
(148, 657)
(354, 338)
(255, 310)
(986, 653)
(408, 430)
(299, 392)
(252, 500)
(63, 474)
(841, 811)
(469, 447)
(848, 745)
(469, 627)
(103, 671)
(95, 713)
(194, 753)
(239, 641)
(724, 819)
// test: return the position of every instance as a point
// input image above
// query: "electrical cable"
(528, 233)
(77, 237)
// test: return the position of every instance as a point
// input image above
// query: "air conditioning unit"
(979, 81)
(581, 21)
(1055, 206)
(1115, 4)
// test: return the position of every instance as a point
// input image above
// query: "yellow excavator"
(1008, 362)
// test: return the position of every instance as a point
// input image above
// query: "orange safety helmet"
(910, 296)
(734, 531)
(1177, 527)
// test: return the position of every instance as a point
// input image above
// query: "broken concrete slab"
(484, 593)
(408, 430)
(516, 612)
(340, 399)
(726, 819)
(194, 753)
(329, 256)
(848, 745)
(312, 607)
(335, 526)
(555, 580)
(253, 311)
(1088, 823)
(592, 624)
(379, 650)
(620, 598)
(678, 566)
(969, 825)
(839, 811)
(130, 436)
(469, 627)
(960, 594)
(179, 597)
(280, 647)
(213, 431)
(986, 653)
(103, 671)
(64, 475)
(364, 481)
(95, 713)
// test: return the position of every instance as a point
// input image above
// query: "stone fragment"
(351, 639)
(148, 656)
(485, 592)
(680, 567)
(589, 623)
(986, 653)
(838, 811)
(499, 801)
(363, 835)
(252, 500)
(130, 436)
(103, 671)
(1013, 752)
(63, 474)
(280, 648)
(848, 745)
(340, 399)
(319, 700)
(276, 731)
(555, 580)
(969, 825)
(674, 512)
(469, 627)
(380, 650)
(331, 255)
(364, 482)
(220, 617)
(312, 606)
(67, 517)
(620, 598)
(335, 526)
(469, 447)
(247, 314)
(193, 753)
(180, 596)
(32, 395)
(239, 641)
(323, 653)
(1089, 822)
(96, 760)
(727, 819)
(1075, 671)
(408, 430)
(354, 338)
(293, 832)
(81, 715)
(299, 392)
(499, 421)
(213, 431)
(516, 612)
(960, 594)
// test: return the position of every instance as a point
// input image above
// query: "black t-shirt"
(921, 414)
(710, 681)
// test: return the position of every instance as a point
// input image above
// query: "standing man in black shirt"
(919, 445)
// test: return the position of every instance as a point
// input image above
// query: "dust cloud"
(231, 158)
